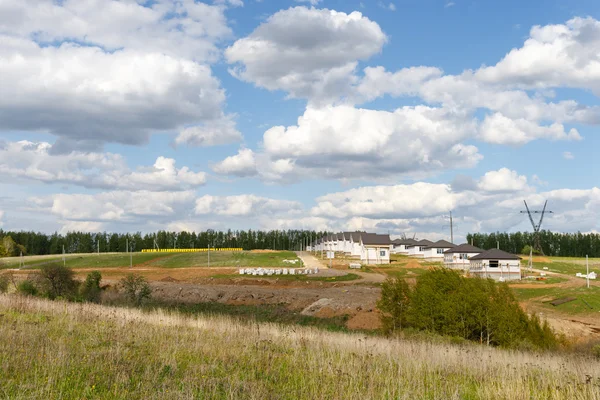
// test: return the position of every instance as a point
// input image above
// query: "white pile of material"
(592, 275)
(281, 271)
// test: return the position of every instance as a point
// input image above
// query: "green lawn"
(591, 296)
(163, 260)
(228, 259)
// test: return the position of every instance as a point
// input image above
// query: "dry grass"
(73, 351)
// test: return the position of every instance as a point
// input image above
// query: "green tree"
(90, 290)
(394, 304)
(58, 281)
(136, 288)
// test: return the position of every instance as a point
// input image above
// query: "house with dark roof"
(417, 249)
(375, 248)
(435, 251)
(496, 264)
(458, 256)
(399, 245)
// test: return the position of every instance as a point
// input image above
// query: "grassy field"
(544, 295)
(160, 260)
(75, 351)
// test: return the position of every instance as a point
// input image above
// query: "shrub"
(596, 351)
(136, 288)
(474, 309)
(4, 281)
(27, 287)
(58, 281)
(527, 249)
(90, 290)
(393, 304)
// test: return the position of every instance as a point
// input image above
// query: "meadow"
(73, 351)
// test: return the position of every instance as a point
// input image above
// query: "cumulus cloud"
(567, 155)
(346, 142)
(503, 180)
(242, 164)
(499, 129)
(213, 133)
(243, 205)
(35, 161)
(553, 56)
(115, 206)
(114, 71)
(309, 53)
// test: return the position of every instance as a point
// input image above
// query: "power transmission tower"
(536, 227)
(451, 227)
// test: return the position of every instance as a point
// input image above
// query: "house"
(375, 248)
(496, 264)
(458, 257)
(417, 249)
(355, 244)
(436, 250)
(399, 245)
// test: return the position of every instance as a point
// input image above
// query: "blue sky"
(385, 116)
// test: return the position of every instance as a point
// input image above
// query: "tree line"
(36, 243)
(553, 243)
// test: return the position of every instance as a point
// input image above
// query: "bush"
(393, 304)
(136, 288)
(4, 281)
(27, 287)
(90, 290)
(58, 281)
(446, 303)
(596, 351)
(527, 249)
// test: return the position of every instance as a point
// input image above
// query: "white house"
(496, 264)
(355, 244)
(375, 248)
(417, 249)
(458, 257)
(435, 252)
(399, 245)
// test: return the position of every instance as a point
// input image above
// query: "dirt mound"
(413, 264)
(169, 279)
(365, 320)
(541, 259)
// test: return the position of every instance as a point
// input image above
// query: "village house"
(417, 249)
(458, 257)
(435, 251)
(375, 248)
(399, 245)
(496, 264)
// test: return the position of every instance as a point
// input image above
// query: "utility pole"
(64, 262)
(587, 267)
(209, 255)
(126, 245)
(451, 229)
(98, 245)
(130, 259)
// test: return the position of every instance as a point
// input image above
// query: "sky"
(385, 116)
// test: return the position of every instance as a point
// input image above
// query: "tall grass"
(73, 351)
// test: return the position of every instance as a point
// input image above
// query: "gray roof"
(356, 235)
(495, 254)
(404, 241)
(373, 238)
(340, 236)
(423, 242)
(464, 248)
(441, 244)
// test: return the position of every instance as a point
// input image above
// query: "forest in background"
(35, 243)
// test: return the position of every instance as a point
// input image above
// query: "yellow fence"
(190, 250)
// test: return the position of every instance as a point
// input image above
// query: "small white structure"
(400, 245)
(418, 248)
(496, 264)
(355, 244)
(375, 248)
(458, 257)
(435, 252)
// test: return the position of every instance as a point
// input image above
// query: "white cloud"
(116, 206)
(503, 180)
(242, 164)
(218, 132)
(308, 53)
(1, 218)
(499, 129)
(553, 56)
(82, 226)
(94, 72)
(567, 155)
(35, 161)
(243, 205)
(346, 142)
